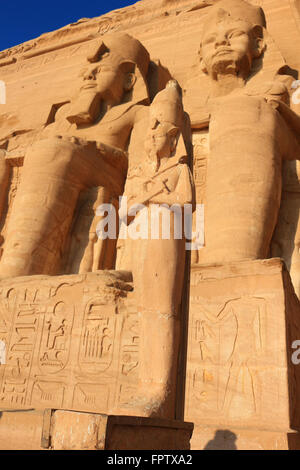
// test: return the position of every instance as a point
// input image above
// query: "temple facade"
(149, 230)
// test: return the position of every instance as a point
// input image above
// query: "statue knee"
(49, 154)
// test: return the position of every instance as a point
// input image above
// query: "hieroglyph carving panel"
(70, 344)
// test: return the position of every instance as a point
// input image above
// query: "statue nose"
(221, 41)
(91, 74)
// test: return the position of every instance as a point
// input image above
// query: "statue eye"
(209, 39)
(235, 34)
(155, 124)
(83, 72)
(105, 55)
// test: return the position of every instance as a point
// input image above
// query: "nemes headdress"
(238, 10)
(128, 48)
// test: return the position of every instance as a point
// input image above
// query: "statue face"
(106, 78)
(104, 82)
(227, 46)
(161, 139)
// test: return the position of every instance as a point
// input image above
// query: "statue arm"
(170, 189)
(277, 96)
(183, 191)
(58, 123)
(291, 129)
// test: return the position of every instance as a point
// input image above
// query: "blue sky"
(22, 20)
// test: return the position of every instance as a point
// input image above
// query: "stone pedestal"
(72, 342)
(76, 342)
(102, 432)
(241, 379)
(21, 429)
(216, 438)
(71, 430)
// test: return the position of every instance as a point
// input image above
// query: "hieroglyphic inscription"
(48, 394)
(130, 346)
(91, 396)
(69, 344)
(201, 155)
(20, 351)
(201, 152)
(97, 338)
(56, 338)
(226, 345)
(129, 356)
(34, 62)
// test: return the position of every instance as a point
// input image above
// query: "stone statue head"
(116, 73)
(165, 122)
(233, 37)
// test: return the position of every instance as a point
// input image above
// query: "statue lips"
(223, 50)
(89, 85)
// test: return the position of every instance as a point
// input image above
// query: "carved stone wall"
(71, 342)
(243, 321)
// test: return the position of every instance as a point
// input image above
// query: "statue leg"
(243, 187)
(55, 171)
(158, 274)
(99, 253)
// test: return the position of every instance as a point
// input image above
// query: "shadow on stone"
(223, 440)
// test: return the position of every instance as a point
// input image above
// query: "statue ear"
(173, 134)
(258, 41)
(129, 81)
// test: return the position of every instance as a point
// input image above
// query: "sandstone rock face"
(115, 299)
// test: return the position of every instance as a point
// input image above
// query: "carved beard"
(85, 109)
(230, 66)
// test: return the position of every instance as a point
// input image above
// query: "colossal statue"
(252, 130)
(84, 147)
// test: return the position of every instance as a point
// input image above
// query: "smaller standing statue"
(157, 190)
